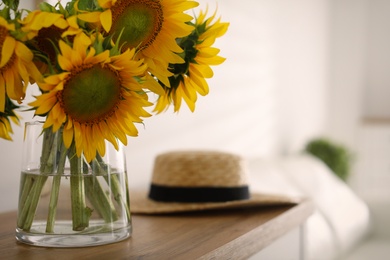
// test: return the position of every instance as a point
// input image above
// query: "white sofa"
(341, 219)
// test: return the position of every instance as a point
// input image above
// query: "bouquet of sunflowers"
(98, 64)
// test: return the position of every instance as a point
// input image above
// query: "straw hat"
(199, 180)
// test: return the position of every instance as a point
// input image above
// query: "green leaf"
(87, 5)
(46, 7)
(13, 4)
(5, 13)
(335, 156)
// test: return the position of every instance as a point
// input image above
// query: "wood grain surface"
(234, 234)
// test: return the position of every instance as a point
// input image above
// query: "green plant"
(335, 156)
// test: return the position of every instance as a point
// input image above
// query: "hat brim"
(141, 204)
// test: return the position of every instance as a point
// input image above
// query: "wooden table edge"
(264, 235)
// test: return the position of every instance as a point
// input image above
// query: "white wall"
(347, 69)
(371, 175)
(266, 99)
(377, 92)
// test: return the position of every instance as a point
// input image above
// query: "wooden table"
(234, 234)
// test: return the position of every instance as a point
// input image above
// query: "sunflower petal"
(7, 50)
(67, 136)
(106, 20)
(2, 94)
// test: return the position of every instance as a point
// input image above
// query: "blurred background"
(295, 70)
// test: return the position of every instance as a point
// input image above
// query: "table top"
(236, 234)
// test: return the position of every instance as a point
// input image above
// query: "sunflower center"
(91, 94)
(141, 22)
(3, 34)
(46, 39)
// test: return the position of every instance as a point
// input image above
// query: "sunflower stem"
(98, 197)
(30, 203)
(100, 200)
(27, 214)
(115, 185)
(118, 194)
(80, 212)
(26, 183)
(56, 188)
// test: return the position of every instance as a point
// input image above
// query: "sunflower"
(151, 26)
(43, 30)
(96, 97)
(5, 118)
(189, 77)
(16, 66)
(5, 127)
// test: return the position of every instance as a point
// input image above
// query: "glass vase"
(65, 201)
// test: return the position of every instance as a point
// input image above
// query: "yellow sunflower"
(16, 66)
(44, 30)
(189, 78)
(6, 117)
(5, 127)
(97, 97)
(151, 26)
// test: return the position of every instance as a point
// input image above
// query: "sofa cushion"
(341, 218)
